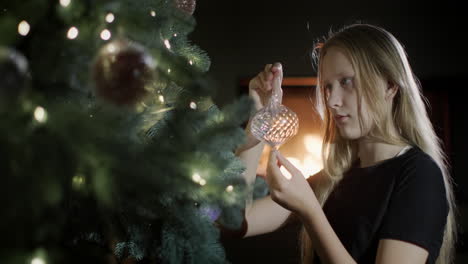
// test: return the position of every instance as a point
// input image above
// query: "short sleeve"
(418, 208)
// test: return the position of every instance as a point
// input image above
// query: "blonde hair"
(376, 54)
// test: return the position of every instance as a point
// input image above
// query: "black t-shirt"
(401, 198)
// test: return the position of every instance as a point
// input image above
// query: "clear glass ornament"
(275, 123)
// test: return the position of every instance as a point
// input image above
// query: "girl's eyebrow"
(341, 74)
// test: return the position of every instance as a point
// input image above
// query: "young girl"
(384, 194)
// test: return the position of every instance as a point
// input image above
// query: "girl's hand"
(294, 194)
(261, 86)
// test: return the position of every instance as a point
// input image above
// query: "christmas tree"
(111, 148)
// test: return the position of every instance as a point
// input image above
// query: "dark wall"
(242, 36)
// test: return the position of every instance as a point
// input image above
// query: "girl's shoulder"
(418, 167)
(415, 158)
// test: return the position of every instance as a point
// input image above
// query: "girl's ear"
(392, 89)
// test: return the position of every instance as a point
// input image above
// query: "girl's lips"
(341, 118)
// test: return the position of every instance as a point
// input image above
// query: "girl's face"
(341, 96)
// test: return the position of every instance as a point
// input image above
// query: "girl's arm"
(262, 215)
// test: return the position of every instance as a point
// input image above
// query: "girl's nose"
(334, 98)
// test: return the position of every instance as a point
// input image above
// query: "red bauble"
(121, 72)
(188, 6)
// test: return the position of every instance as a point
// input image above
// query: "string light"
(78, 181)
(152, 13)
(196, 177)
(65, 3)
(106, 34)
(161, 99)
(37, 260)
(72, 33)
(168, 45)
(110, 18)
(191, 62)
(168, 70)
(23, 28)
(40, 114)
(193, 105)
(230, 188)
(175, 34)
(111, 48)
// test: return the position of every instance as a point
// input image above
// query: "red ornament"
(122, 71)
(187, 6)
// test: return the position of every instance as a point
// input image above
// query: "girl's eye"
(346, 81)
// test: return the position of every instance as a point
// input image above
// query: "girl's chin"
(348, 135)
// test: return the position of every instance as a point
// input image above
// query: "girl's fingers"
(262, 77)
(268, 72)
(275, 174)
(266, 85)
(277, 66)
(277, 70)
(287, 164)
(256, 83)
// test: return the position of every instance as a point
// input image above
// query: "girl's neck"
(371, 153)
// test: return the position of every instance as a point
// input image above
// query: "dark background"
(242, 36)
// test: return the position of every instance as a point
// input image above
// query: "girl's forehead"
(335, 65)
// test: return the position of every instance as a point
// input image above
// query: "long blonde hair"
(375, 54)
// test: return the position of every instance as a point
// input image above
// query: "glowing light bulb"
(110, 18)
(37, 260)
(202, 182)
(65, 3)
(196, 177)
(230, 188)
(111, 48)
(168, 70)
(152, 13)
(78, 180)
(193, 105)
(23, 28)
(40, 114)
(175, 34)
(161, 99)
(106, 34)
(72, 33)
(191, 62)
(168, 45)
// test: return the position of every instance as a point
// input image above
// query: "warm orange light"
(313, 157)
